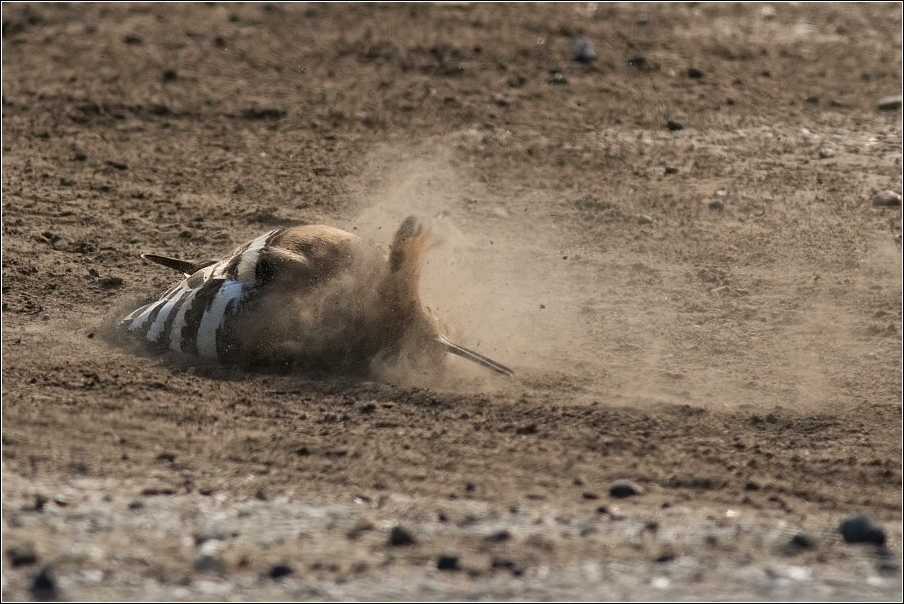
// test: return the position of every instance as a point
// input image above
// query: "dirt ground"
(685, 269)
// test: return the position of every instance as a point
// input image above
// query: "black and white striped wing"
(199, 315)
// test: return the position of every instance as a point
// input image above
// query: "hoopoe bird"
(308, 298)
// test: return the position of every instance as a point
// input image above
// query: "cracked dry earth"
(675, 246)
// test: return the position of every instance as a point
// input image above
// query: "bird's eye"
(265, 271)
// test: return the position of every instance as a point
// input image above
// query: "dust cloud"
(495, 281)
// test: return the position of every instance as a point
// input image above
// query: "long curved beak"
(475, 357)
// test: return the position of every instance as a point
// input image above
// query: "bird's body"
(308, 297)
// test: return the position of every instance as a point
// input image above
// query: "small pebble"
(674, 125)
(21, 555)
(717, 204)
(278, 571)
(859, 528)
(399, 535)
(499, 536)
(39, 502)
(890, 103)
(43, 587)
(558, 78)
(887, 198)
(503, 100)
(644, 219)
(667, 555)
(448, 562)
(826, 153)
(208, 563)
(694, 72)
(625, 488)
(509, 564)
(583, 51)
(803, 541)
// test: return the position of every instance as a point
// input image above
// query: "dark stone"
(501, 562)
(399, 535)
(859, 528)
(40, 501)
(170, 75)
(664, 557)
(278, 571)
(267, 113)
(624, 488)
(694, 72)
(499, 536)
(43, 586)
(637, 61)
(208, 563)
(448, 562)
(583, 51)
(671, 170)
(158, 109)
(153, 492)
(802, 541)
(21, 555)
(674, 125)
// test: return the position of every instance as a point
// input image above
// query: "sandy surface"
(712, 311)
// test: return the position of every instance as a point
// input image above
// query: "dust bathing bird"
(306, 298)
